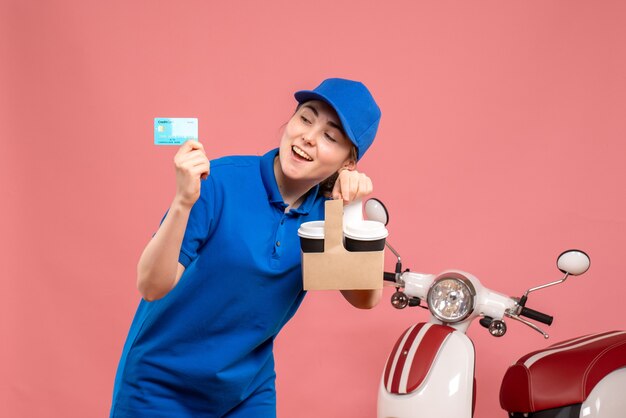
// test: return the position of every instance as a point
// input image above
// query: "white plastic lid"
(312, 230)
(365, 230)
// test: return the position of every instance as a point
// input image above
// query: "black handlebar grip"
(391, 277)
(537, 316)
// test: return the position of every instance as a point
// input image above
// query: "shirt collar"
(271, 186)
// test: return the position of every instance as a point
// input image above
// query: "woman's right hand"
(191, 165)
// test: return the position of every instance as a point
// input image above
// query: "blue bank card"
(174, 131)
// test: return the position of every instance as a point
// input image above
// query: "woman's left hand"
(351, 185)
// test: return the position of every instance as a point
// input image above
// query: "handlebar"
(513, 313)
(537, 316)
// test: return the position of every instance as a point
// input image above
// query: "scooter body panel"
(607, 399)
(445, 391)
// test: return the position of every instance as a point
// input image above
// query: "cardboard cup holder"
(329, 264)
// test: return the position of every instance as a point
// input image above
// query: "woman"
(222, 274)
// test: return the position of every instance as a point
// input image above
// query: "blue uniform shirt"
(206, 346)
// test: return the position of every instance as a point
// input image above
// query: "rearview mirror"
(573, 262)
(375, 210)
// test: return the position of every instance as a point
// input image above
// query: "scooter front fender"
(430, 373)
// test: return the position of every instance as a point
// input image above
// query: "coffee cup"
(365, 236)
(312, 237)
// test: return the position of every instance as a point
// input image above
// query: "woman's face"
(313, 146)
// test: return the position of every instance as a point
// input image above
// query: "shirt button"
(278, 243)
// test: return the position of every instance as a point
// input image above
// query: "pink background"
(502, 143)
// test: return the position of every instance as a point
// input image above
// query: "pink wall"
(502, 143)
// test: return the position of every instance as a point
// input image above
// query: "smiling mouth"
(300, 153)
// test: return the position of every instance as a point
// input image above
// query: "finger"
(199, 162)
(200, 147)
(199, 170)
(369, 186)
(336, 193)
(196, 169)
(190, 156)
(193, 144)
(195, 152)
(345, 183)
(362, 188)
(365, 186)
(354, 186)
(203, 170)
(194, 158)
(206, 170)
(183, 154)
(189, 146)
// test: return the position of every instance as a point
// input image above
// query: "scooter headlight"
(451, 298)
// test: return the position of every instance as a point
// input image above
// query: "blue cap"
(358, 112)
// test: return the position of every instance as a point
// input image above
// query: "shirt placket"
(278, 237)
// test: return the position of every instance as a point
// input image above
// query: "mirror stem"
(545, 285)
(399, 262)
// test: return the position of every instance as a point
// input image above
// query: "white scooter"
(430, 371)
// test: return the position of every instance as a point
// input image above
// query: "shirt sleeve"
(200, 224)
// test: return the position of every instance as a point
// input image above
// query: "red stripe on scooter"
(397, 374)
(425, 355)
(391, 357)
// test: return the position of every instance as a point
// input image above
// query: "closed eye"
(330, 138)
(305, 120)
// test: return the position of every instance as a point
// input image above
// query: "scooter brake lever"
(525, 322)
